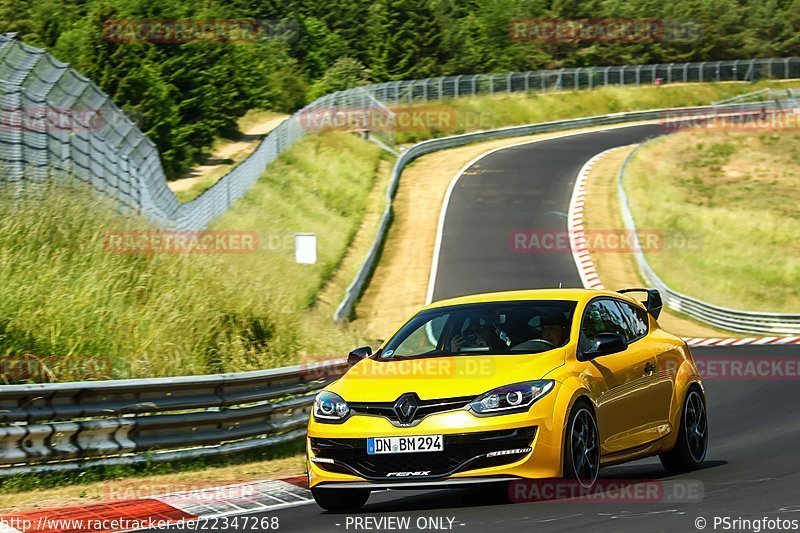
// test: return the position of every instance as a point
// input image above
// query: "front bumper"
(531, 442)
(419, 485)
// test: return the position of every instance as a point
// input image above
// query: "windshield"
(486, 328)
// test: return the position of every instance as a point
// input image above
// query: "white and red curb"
(699, 342)
(591, 280)
(576, 229)
(165, 510)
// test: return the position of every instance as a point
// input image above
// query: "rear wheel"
(340, 500)
(582, 447)
(690, 450)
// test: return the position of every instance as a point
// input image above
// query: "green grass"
(65, 298)
(495, 111)
(734, 196)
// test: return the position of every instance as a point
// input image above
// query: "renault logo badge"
(406, 407)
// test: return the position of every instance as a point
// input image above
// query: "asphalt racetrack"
(752, 468)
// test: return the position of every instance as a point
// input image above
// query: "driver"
(475, 336)
(554, 328)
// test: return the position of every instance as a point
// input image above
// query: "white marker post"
(305, 248)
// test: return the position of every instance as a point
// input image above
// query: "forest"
(188, 92)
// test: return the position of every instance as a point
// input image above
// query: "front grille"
(425, 408)
(462, 452)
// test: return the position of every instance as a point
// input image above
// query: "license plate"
(418, 443)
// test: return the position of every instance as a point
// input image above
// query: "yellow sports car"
(536, 384)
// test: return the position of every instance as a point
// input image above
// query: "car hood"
(442, 377)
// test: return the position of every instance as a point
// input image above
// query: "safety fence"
(68, 426)
(55, 123)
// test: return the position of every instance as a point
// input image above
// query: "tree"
(404, 40)
(344, 74)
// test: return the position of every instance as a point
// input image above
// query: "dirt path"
(225, 156)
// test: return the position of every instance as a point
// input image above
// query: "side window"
(423, 339)
(637, 317)
(603, 316)
(613, 321)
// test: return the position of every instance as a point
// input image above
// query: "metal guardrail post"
(70, 426)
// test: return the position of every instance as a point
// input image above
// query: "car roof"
(576, 295)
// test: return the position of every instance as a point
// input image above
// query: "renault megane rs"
(494, 387)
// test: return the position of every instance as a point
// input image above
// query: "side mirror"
(357, 355)
(604, 344)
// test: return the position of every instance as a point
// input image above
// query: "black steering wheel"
(525, 344)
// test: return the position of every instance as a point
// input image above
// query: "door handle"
(649, 368)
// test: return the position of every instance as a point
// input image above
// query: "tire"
(690, 450)
(340, 500)
(582, 447)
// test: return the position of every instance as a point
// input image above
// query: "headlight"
(330, 407)
(511, 398)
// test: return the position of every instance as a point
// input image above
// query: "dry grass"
(330, 296)
(735, 195)
(619, 270)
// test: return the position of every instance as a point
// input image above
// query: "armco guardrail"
(69, 426)
(353, 292)
(109, 152)
(722, 317)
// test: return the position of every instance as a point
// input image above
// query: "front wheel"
(582, 447)
(690, 450)
(340, 500)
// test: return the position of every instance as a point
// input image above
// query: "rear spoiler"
(652, 304)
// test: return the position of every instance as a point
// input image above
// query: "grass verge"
(458, 115)
(616, 268)
(143, 315)
(733, 198)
